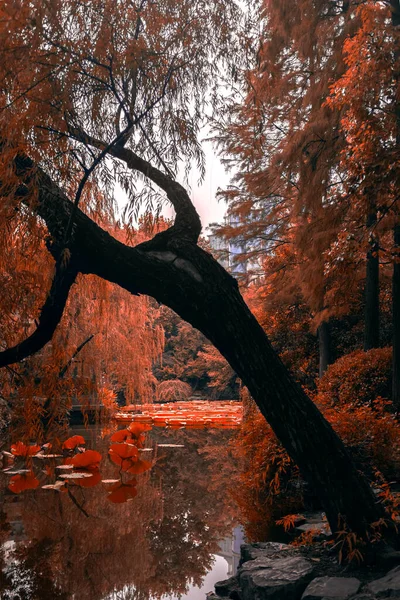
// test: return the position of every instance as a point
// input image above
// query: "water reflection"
(161, 539)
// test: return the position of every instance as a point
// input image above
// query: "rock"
(322, 529)
(253, 551)
(212, 596)
(337, 588)
(388, 586)
(226, 588)
(274, 579)
(388, 558)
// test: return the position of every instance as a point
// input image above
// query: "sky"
(204, 196)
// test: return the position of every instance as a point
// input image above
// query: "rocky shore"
(275, 571)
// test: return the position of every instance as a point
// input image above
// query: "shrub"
(173, 389)
(357, 378)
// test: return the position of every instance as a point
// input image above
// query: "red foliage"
(124, 455)
(140, 466)
(25, 481)
(90, 459)
(122, 492)
(21, 449)
(88, 482)
(123, 435)
(357, 378)
(74, 441)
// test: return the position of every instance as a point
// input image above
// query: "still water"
(167, 532)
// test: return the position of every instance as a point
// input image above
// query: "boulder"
(229, 588)
(253, 551)
(387, 586)
(337, 588)
(321, 529)
(275, 579)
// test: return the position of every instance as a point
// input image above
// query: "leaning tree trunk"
(174, 270)
(395, 6)
(396, 321)
(371, 328)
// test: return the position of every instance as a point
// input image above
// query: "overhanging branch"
(50, 317)
(187, 222)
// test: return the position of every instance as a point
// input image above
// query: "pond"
(165, 527)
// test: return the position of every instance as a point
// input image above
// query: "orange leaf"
(20, 449)
(20, 483)
(140, 466)
(121, 493)
(87, 482)
(122, 452)
(73, 442)
(121, 436)
(137, 428)
(89, 459)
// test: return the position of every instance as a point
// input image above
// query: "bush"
(173, 390)
(357, 378)
(270, 484)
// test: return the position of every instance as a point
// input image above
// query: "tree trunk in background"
(396, 321)
(371, 330)
(325, 351)
(395, 6)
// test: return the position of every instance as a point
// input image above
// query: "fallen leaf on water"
(73, 442)
(74, 475)
(21, 449)
(90, 459)
(20, 483)
(171, 445)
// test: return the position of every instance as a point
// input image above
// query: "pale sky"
(204, 196)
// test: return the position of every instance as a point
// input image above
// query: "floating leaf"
(88, 482)
(43, 456)
(140, 466)
(122, 492)
(16, 471)
(123, 455)
(171, 445)
(20, 483)
(75, 475)
(90, 459)
(74, 441)
(121, 436)
(138, 428)
(54, 486)
(21, 449)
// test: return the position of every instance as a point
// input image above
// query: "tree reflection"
(157, 542)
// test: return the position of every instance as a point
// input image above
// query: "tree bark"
(178, 273)
(371, 328)
(324, 342)
(395, 6)
(396, 321)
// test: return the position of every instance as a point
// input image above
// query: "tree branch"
(187, 222)
(50, 317)
(79, 348)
